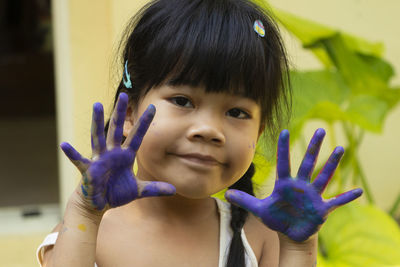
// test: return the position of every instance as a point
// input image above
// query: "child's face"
(199, 142)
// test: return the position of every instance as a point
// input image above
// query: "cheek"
(246, 140)
(151, 141)
(158, 138)
(241, 152)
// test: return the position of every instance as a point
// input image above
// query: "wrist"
(309, 244)
(80, 206)
(293, 253)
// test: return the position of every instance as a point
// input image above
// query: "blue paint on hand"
(108, 180)
(295, 207)
(144, 123)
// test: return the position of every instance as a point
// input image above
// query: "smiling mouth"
(199, 160)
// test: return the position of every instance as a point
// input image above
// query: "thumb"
(75, 157)
(152, 189)
(244, 200)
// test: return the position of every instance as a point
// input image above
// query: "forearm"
(76, 242)
(298, 254)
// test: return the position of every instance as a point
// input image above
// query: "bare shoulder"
(263, 241)
(113, 219)
(120, 233)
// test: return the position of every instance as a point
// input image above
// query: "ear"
(260, 131)
(129, 121)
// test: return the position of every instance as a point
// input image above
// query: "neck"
(177, 208)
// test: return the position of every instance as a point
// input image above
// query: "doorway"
(28, 140)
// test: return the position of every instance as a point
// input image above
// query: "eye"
(238, 113)
(181, 101)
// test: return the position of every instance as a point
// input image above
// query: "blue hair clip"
(127, 82)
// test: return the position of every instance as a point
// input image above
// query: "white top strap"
(48, 241)
(226, 235)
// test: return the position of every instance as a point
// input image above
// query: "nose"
(207, 130)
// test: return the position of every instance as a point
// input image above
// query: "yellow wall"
(85, 35)
(92, 28)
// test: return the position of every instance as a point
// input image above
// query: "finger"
(80, 162)
(152, 189)
(115, 130)
(323, 178)
(310, 158)
(283, 156)
(136, 135)
(97, 132)
(244, 200)
(344, 198)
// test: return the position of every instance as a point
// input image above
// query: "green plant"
(351, 90)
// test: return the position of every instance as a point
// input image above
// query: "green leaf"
(221, 194)
(379, 66)
(362, 46)
(316, 94)
(361, 77)
(264, 169)
(311, 33)
(359, 235)
(322, 85)
(327, 111)
(325, 95)
(307, 31)
(391, 97)
(368, 112)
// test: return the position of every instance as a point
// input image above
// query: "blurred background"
(56, 60)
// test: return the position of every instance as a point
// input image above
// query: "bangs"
(205, 43)
(215, 52)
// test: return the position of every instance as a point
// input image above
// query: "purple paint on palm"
(108, 180)
(295, 207)
(120, 187)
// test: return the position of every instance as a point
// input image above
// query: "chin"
(194, 192)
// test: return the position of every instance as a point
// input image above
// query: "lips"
(200, 158)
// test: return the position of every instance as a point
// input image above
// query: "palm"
(112, 178)
(295, 207)
(107, 179)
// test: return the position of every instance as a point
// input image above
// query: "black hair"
(236, 257)
(210, 43)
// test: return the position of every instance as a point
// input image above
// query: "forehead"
(233, 91)
(202, 90)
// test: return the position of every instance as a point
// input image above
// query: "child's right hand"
(107, 179)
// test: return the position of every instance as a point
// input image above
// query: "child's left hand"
(295, 207)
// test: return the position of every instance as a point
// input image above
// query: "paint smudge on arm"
(82, 227)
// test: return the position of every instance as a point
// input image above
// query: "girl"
(202, 80)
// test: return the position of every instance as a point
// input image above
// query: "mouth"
(199, 159)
